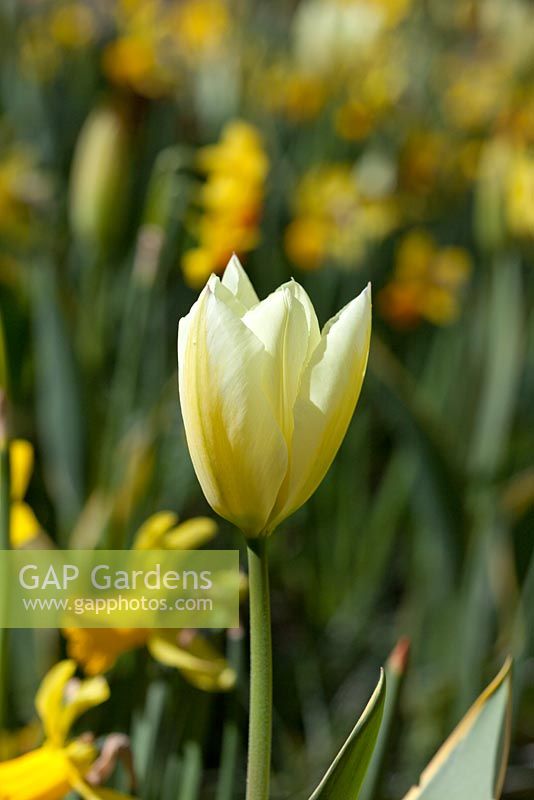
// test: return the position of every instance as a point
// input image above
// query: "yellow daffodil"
(266, 396)
(97, 649)
(336, 218)
(132, 59)
(231, 201)
(426, 284)
(24, 527)
(61, 764)
(200, 26)
(200, 663)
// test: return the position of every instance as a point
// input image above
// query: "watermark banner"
(119, 588)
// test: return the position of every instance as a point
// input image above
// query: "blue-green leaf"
(344, 777)
(472, 762)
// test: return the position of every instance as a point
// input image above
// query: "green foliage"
(345, 776)
(472, 762)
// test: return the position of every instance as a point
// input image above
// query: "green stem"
(261, 678)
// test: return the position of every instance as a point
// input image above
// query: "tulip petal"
(314, 333)
(236, 279)
(327, 398)
(235, 443)
(280, 322)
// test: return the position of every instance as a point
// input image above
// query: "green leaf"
(59, 415)
(472, 762)
(344, 777)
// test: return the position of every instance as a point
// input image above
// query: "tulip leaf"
(472, 761)
(344, 777)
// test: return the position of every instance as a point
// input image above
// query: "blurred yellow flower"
(132, 61)
(157, 42)
(306, 241)
(24, 527)
(162, 531)
(335, 218)
(97, 649)
(475, 91)
(200, 26)
(199, 662)
(421, 161)
(516, 122)
(520, 194)
(133, 58)
(61, 764)
(72, 24)
(295, 94)
(266, 396)
(231, 201)
(371, 97)
(22, 187)
(52, 31)
(426, 283)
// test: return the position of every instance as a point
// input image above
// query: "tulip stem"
(261, 678)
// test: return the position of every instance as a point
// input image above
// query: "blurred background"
(338, 142)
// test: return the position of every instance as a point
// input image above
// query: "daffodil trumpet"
(266, 400)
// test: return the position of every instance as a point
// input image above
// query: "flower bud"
(99, 176)
(266, 396)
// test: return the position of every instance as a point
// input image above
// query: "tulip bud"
(99, 176)
(266, 396)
